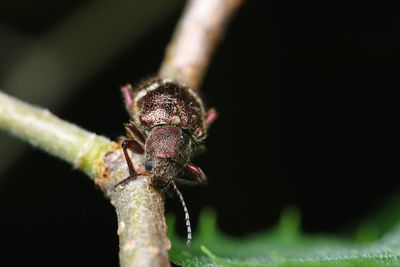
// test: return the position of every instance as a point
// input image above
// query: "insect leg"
(134, 147)
(135, 133)
(183, 181)
(210, 117)
(194, 171)
(127, 94)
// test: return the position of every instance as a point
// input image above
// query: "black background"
(308, 108)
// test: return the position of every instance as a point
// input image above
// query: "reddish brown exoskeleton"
(168, 124)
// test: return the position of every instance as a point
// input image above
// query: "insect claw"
(124, 181)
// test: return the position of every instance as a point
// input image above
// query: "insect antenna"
(187, 220)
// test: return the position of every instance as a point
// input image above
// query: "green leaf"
(287, 246)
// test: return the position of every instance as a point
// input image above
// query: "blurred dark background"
(306, 95)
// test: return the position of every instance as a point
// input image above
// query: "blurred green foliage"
(375, 242)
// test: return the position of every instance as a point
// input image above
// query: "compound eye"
(148, 165)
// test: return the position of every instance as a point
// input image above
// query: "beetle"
(168, 125)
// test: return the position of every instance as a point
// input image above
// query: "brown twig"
(195, 39)
(142, 228)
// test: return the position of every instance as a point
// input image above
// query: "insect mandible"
(168, 125)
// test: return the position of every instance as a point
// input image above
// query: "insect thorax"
(164, 102)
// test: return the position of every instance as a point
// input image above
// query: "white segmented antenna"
(187, 220)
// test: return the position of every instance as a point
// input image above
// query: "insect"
(168, 125)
